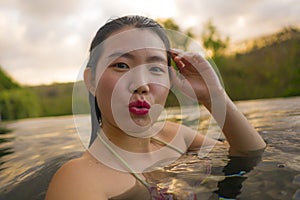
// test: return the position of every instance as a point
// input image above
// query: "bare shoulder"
(75, 180)
(172, 125)
(170, 130)
(193, 139)
(173, 128)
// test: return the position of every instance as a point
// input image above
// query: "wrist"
(215, 98)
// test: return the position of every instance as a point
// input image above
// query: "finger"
(185, 58)
(178, 62)
(176, 52)
(196, 61)
(189, 60)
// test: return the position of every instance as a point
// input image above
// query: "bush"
(18, 103)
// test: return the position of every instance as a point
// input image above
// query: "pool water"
(35, 148)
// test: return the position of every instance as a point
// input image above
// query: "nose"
(144, 89)
(139, 80)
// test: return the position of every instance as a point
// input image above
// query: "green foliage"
(172, 100)
(54, 99)
(169, 24)
(18, 103)
(15, 101)
(266, 71)
(212, 40)
(269, 68)
(6, 82)
(177, 39)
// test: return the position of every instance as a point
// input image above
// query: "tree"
(18, 103)
(179, 39)
(15, 101)
(169, 24)
(6, 82)
(212, 40)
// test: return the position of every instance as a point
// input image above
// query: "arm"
(240, 134)
(199, 75)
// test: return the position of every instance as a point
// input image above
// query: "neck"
(125, 141)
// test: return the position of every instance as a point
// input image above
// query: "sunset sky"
(47, 41)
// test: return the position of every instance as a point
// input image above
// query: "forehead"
(132, 39)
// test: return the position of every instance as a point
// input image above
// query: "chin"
(142, 122)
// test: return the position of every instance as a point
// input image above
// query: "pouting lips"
(139, 107)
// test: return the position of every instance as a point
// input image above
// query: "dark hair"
(102, 34)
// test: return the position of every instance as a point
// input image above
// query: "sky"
(46, 41)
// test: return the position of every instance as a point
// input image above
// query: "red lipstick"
(139, 107)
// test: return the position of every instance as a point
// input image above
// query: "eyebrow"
(121, 54)
(154, 58)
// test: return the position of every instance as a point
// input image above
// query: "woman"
(129, 76)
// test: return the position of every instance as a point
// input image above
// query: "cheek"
(104, 90)
(160, 93)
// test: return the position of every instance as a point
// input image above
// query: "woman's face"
(133, 79)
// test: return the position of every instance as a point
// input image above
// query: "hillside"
(6, 82)
(288, 33)
(265, 71)
(270, 69)
(55, 99)
(15, 101)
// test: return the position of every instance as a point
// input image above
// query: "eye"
(120, 66)
(157, 70)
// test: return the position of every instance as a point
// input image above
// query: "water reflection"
(37, 147)
(235, 174)
(5, 141)
(213, 177)
(32, 143)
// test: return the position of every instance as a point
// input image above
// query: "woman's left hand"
(198, 77)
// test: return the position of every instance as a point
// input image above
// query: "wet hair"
(113, 25)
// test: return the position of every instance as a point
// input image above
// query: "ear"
(89, 80)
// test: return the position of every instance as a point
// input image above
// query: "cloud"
(40, 36)
(276, 12)
(224, 14)
(259, 16)
(214, 8)
(46, 10)
(37, 37)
